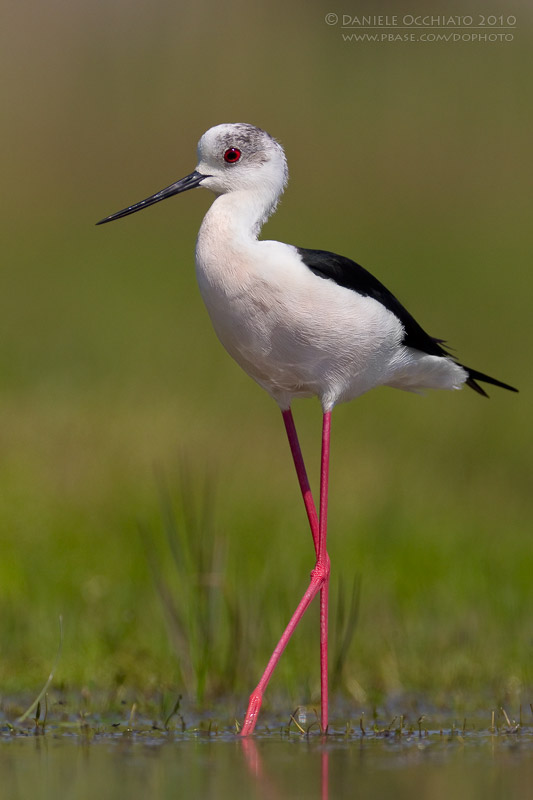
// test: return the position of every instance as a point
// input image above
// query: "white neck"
(227, 240)
(238, 215)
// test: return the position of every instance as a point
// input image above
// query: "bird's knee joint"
(321, 571)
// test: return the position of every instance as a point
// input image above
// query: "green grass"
(435, 542)
(113, 384)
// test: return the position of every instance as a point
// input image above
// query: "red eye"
(232, 155)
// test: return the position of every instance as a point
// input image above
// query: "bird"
(302, 323)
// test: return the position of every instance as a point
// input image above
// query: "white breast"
(295, 333)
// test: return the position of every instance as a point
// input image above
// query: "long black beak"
(189, 182)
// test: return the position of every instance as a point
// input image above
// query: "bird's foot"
(254, 706)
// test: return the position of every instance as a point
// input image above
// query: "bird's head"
(233, 157)
(241, 157)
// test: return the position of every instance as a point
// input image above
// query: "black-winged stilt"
(301, 323)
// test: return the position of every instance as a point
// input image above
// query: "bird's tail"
(474, 376)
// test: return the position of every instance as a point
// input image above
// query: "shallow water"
(73, 760)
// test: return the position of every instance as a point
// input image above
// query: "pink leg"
(302, 475)
(324, 558)
(319, 576)
(317, 536)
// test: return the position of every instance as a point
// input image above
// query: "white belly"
(294, 333)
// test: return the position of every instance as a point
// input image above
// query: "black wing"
(350, 275)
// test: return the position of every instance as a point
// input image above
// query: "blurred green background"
(117, 403)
